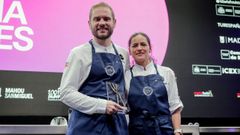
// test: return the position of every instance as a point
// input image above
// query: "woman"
(153, 99)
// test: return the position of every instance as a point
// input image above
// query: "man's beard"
(103, 37)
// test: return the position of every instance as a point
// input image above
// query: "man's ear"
(89, 24)
(115, 22)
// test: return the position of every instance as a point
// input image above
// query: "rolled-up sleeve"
(172, 89)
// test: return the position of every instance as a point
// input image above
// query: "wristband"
(178, 130)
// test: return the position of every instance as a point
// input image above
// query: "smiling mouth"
(102, 28)
(140, 54)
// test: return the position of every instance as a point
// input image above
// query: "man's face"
(102, 23)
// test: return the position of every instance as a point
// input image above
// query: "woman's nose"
(139, 47)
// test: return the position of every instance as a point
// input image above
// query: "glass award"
(115, 95)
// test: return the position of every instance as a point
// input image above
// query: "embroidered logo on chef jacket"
(147, 90)
(110, 71)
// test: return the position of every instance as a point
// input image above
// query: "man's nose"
(101, 22)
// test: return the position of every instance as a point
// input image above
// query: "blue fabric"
(149, 107)
(95, 86)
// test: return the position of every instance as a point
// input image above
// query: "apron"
(149, 107)
(106, 68)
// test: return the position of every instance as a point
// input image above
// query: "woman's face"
(140, 50)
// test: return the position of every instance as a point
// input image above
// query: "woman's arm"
(176, 119)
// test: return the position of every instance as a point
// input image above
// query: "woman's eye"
(134, 45)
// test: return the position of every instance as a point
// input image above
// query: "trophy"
(114, 94)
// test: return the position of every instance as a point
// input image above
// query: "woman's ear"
(150, 48)
(129, 51)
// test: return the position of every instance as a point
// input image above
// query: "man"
(93, 82)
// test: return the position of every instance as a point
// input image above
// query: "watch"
(178, 130)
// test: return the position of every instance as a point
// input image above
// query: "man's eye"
(97, 19)
(106, 18)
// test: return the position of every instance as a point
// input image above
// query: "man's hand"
(113, 107)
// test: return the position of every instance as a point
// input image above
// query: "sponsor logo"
(238, 94)
(227, 10)
(228, 25)
(17, 93)
(233, 71)
(203, 93)
(235, 2)
(229, 54)
(206, 69)
(198, 69)
(53, 94)
(229, 40)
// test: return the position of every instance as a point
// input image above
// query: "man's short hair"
(101, 4)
